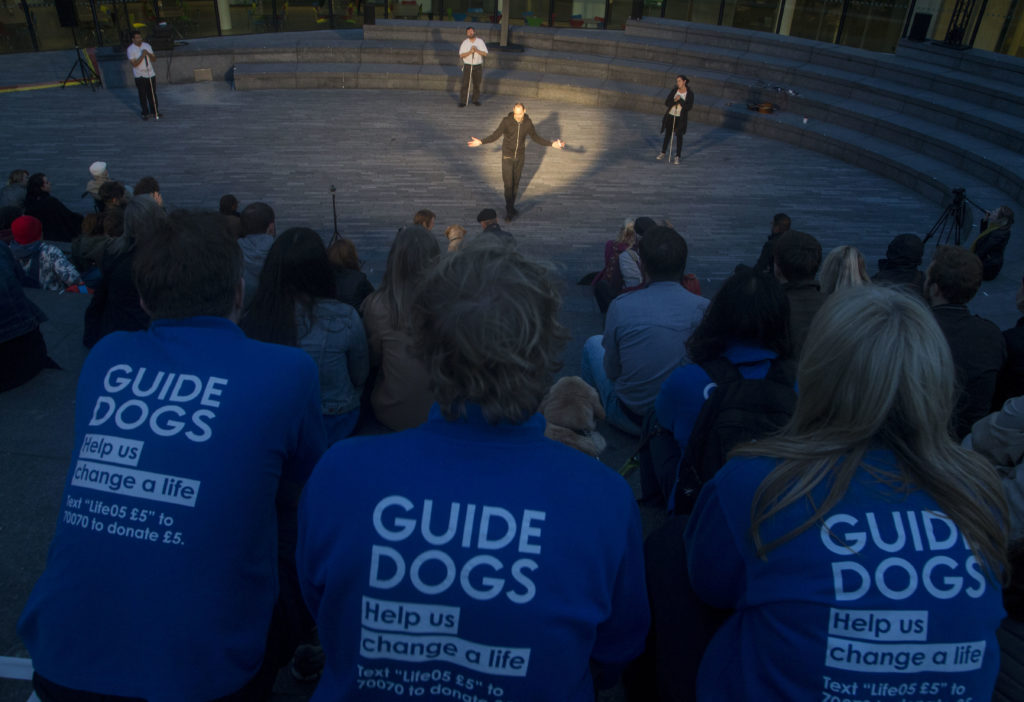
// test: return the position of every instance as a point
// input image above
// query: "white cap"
(98, 168)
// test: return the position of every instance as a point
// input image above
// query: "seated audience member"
(113, 222)
(40, 260)
(7, 217)
(552, 597)
(901, 264)
(622, 270)
(149, 186)
(1011, 377)
(746, 327)
(258, 230)
(100, 176)
(991, 242)
(229, 206)
(952, 279)
(454, 234)
(22, 347)
(645, 333)
(115, 304)
(295, 306)
(797, 257)
(351, 285)
(999, 437)
(800, 527)
(488, 220)
(88, 248)
(401, 396)
(114, 195)
(766, 261)
(425, 219)
(14, 192)
(843, 268)
(59, 223)
(176, 602)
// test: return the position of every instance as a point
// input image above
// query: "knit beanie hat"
(26, 229)
(98, 168)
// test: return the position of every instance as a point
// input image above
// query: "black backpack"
(739, 410)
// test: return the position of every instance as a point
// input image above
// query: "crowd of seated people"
(459, 540)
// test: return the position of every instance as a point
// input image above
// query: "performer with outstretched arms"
(514, 129)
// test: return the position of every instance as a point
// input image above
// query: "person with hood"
(900, 265)
(41, 260)
(513, 130)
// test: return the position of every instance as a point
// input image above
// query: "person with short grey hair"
(516, 560)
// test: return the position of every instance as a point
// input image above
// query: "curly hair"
(485, 321)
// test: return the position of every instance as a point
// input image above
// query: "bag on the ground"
(737, 411)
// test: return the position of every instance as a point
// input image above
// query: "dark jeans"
(477, 72)
(147, 95)
(668, 137)
(681, 624)
(511, 171)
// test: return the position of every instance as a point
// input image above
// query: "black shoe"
(477, 103)
(462, 104)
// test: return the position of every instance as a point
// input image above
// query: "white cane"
(672, 139)
(469, 85)
(152, 93)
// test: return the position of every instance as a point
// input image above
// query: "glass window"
(873, 25)
(751, 14)
(813, 19)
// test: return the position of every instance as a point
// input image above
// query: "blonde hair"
(454, 234)
(876, 371)
(843, 268)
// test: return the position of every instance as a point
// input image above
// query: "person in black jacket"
(678, 103)
(513, 130)
(59, 223)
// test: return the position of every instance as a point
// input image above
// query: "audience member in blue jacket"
(471, 557)
(190, 440)
(861, 551)
(748, 324)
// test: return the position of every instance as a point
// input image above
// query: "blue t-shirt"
(882, 601)
(465, 561)
(162, 574)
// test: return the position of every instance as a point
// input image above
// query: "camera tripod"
(85, 73)
(955, 221)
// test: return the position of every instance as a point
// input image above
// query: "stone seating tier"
(931, 119)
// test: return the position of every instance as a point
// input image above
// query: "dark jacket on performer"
(514, 135)
(666, 121)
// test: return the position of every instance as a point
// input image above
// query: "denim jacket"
(337, 342)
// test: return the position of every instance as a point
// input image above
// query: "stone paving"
(390, 153)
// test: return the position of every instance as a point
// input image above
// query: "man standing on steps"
(472, 53)
(514, 129)
(140, 56)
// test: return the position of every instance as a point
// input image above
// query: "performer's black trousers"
(679, 141)
(511, 170)
(147, 95)
(478, 72)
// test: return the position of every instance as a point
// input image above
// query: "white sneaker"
(675, 161)
(661, 157)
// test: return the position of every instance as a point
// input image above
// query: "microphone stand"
(334, 207)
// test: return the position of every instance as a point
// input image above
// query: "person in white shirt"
(140, 56)
(472, 53)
